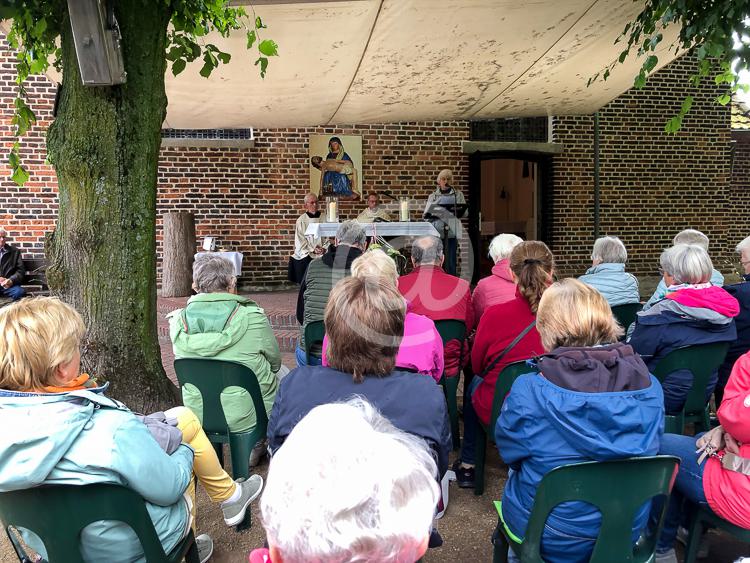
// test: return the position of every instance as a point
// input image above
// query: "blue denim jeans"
(687, 491)
(15, 292)
(302, 358)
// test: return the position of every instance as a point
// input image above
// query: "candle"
(403, 209)
(333, 211)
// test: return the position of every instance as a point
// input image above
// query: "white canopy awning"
(379, 61)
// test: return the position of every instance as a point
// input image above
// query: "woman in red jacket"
(719, 482)
(531, 265)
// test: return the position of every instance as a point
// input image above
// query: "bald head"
(427, 251)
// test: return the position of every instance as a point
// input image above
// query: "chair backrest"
(211, 377)
(58, 514)
(314, 333)
(452, 329)
(702, 360)
(626, 314)
(502, 387)
(637, 479)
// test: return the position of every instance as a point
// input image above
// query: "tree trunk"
(179, 249)
(104, 145)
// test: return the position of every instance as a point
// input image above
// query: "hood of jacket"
(45, 426)
(603, 398)
(210, 323)
(501, 269)
(712, 298)
(709, 306)
(341, 256)
(606, 267)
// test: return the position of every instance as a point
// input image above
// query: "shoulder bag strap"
(510, 346)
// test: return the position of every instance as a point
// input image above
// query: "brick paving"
(280, 308)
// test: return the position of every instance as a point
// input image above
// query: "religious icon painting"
(336, 166)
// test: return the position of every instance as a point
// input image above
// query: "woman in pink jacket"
(421, 349)
(499, 286)
(713, 476)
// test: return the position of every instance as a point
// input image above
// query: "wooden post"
(179, 248)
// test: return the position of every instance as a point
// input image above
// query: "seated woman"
(693, 312)
(719, 483)
(506, 334)
(364, 321)
(499, 286)
(593, 400)
(367, 492)
(607, 273)
(221, 325)
(79, 437)
(421, 349)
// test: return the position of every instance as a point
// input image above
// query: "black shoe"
(436, 540)
(464, 475)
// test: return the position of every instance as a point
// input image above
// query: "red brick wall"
(652, 184)
(30, 211)
(250, 198)
(739, 211)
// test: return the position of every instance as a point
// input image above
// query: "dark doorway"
(508, 193)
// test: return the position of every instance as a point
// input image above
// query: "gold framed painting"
(336, 166)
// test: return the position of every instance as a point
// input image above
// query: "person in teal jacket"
(65, 432)
(607, 273)
(220, 325)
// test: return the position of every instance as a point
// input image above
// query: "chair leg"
(694, 537)
(449, 387)
(239, 448)
(499, 545)
(479, 461)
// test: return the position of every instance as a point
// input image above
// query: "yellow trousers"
(206, 466)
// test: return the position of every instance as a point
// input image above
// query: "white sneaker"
(205, 547)
(666, 557)
(234, 512)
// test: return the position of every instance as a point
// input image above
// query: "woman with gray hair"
(366, 491)
(607, 273)
(221, 325)
(499, 286)
(692, 312)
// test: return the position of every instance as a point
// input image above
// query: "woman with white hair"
(445, 206)
(607, 273)
(688, 236)
(221, 325)
(499, 286)
(592, 400)
(348, 486)
(692, 312)
(421, 349)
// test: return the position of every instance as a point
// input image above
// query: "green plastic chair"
(452, 330)
(626, 314)
(314, 333)
(58, 514)
(502, 387)
(211, 377)
(702, 517)
(637, 480)
(701, 360)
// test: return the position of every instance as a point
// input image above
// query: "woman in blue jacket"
(593, 400)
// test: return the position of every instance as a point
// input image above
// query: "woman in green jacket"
(221, 325)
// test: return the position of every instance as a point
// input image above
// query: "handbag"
(508, 348)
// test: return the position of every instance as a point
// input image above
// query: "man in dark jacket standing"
(12, 269)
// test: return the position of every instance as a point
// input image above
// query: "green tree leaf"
(178, 66)
(263, 62)
(20, 175)
(268, 47)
